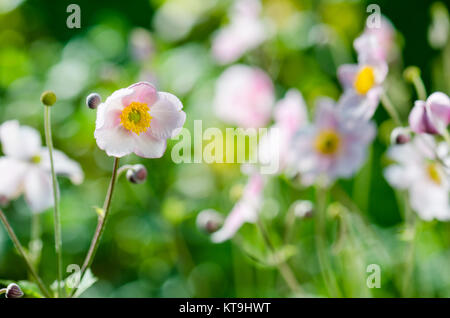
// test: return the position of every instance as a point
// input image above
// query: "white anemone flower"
(139, 120)
(25, 168)
(418, 170)
(332, 147)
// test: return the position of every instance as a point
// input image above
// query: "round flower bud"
(13, 291)
(209, 221)
(411, 73)
(48, 98)
(137, 174)
(93, 100)
(3, 201)
(400, 136)
(303, 208)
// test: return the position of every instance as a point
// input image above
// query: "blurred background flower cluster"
(152, 246)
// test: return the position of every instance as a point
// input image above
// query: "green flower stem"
(22, 252)
(56, 211)
(101, 222)
(420, 87)
(411, 225)
(387, 104)
(283, 267)
(320, 227)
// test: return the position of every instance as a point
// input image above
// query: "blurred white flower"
(419, 171)
(25, 168)
(244, 96)
(332, 147)
(290, 115)
(138, 119)
(245, 210)
(430, 116)
(363, 87)
(245, 32)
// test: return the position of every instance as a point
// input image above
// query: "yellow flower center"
(36, 159)
(434, 173)
(365, 80)
(327, 142)
(135, 117)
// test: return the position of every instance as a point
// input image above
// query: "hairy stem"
(283, 267)
(22, 252)
(101, 222)
(56, 211)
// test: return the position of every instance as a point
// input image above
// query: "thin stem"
(22, 252)
(326, 270)
(101, 222)
(35, 245)
(282, 266)
(411, 223)
(420, 88)
(56, 211)
(387, 104)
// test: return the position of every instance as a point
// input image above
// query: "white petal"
(12, 174)
(116, 142)
(21, 142)
(147, 146)
(232, 224)
(63, 165)
(110, 108)
(167, 116)
(38, 190)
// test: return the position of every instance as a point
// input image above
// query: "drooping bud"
(13, 291)
(431, 116)
(93, 100)
(303, 208)
(400, 136)
(411, 73)
(209, 221)
(48, 98)
(137, 174)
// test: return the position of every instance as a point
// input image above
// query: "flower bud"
(48, 98)
(400, 136)
(137, 174)
(303, 208)
(209, 221)
(93, 100)
(13, 291)
(3, 201)
(411, 73)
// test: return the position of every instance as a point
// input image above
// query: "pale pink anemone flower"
(363, 86)
(332, 147)
(25, 168)
(290, 115)
(139, 120)
(245, 210)
(245, 32)
(430, 116)
(376, 42)
(421, 168)
(244, 96)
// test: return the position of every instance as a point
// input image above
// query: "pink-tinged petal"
(116, 142)
(325, 115)
(38, 190)
(108, 113)
(347, 74)
(63, 165)
(420, 121)
(291, 112)
(439, 104)
(21, 142)
(12, 174)
(167, 116)
(232, 224)
(148, 146)
(143, 92)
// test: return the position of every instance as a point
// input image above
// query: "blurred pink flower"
(290, 115)
(245, 210)
(376, 43)
(25, 168)
(432, 115)
(244, 96)
(245, 32)
(332, 147)
(426, 179)
(138, 119)
(363, 87)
